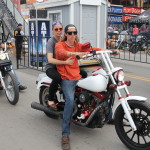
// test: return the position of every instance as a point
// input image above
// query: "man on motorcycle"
(21, 87)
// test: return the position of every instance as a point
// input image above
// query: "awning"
(142, 18)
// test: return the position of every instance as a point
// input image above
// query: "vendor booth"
(90, 17)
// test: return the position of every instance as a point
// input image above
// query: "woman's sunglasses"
(56, 29)
(72, 32)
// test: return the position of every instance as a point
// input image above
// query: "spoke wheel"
(11, 88)
(139, 139)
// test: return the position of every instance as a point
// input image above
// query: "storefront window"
(125, 2)
(54, 16)
(128, 2)
(117, 2)
(146, 2)
(22, 1)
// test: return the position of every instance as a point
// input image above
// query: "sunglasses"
(56, 29)
(72, 32)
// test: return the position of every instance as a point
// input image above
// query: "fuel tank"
(96, 83)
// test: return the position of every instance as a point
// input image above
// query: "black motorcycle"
(140, 44)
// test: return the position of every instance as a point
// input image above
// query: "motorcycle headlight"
(139, 37)
(2, 56)
(119, 75)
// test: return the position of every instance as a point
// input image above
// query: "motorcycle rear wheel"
(12, 89)
(139, 139)
(43, 98)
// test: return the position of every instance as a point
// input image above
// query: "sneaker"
(65, 143)
(22, 87)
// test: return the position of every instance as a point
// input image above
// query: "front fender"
(138, 98)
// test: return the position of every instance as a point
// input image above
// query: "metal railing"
(34, 54)
(133, 48)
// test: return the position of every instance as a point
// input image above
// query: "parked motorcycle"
(8, 80)
(140, 44)
(94, 100)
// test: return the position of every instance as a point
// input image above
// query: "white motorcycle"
(8, 80)
(94, 100)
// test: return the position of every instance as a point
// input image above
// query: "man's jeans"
(68, 87)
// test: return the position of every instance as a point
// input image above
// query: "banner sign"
(115, 10)
(114, 19)
(128, 10)
(30, 1)
(32, 42)
(43, 36)
(126, 18)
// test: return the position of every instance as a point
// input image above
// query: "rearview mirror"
(86, 46)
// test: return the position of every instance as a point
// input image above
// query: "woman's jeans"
(68, 87)
(54, 74)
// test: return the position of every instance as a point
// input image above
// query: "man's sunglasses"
(72, 32)
(56, 29)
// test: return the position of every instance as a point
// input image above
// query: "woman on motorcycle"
(70, 74)
(50, 68)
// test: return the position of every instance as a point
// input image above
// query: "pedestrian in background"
(18, 35)
(135, 31)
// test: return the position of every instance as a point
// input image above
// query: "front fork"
(2, 80)
(8, 68)
(127, 111)
(126, 106)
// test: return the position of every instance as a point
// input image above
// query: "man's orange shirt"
(70, 72)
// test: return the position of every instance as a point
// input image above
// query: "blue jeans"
(68, 87)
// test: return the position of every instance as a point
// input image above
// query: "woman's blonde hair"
(64, 38)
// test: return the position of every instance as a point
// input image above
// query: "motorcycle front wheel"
(12, 89)
(139, 139)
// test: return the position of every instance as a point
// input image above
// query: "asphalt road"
(23, 128)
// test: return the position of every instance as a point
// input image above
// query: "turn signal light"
(128, 83)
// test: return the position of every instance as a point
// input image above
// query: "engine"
(91, 109)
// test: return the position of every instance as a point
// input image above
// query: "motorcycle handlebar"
(93, 53)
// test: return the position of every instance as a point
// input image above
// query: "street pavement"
(23, 128)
